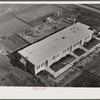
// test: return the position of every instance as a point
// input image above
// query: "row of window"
(41, 65)
(55, 56)
(87, 37)
(77, 43)
(64, 51)
(69, 48)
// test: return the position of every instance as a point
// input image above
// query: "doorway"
(46, 63)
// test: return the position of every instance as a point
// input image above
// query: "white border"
(49, 93)
(50, 2)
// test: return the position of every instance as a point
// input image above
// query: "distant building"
(41, 55)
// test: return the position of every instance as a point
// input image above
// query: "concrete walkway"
(83, 48)
(74, 55)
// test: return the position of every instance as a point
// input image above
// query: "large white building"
(40, 55)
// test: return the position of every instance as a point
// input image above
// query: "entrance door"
(46, 63)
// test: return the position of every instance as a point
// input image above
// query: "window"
(46, 63)
(57, 55)
(74, 44)
(68, 48)
(64, 51)
(23, 61)
(41, 64)
(85, 38)
(37, 67)
(77, 43)
(89, 36)
(53, 57)
(80, 42)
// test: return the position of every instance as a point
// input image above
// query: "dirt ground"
(38, 12)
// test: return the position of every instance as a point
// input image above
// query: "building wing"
(43, 50)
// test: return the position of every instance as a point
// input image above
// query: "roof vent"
(63, 37)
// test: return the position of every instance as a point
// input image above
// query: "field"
(94, 5)
(85, 80)
(38, 13)
(8, 23)
(10, 75)
(7, 8)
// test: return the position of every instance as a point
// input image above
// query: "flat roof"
(41, 51)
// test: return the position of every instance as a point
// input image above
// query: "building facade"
(43, 54)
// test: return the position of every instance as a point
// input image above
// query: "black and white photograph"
(50, 45)
(50, 50)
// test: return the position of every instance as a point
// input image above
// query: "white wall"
(88, 39)
(39, 69)
(77, 46)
